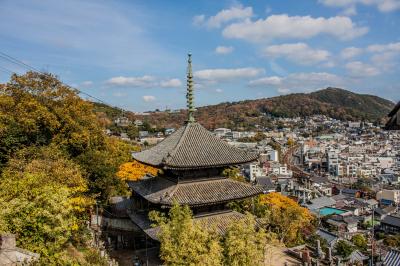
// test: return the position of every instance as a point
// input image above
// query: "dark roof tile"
(160, 190)
(192, 146)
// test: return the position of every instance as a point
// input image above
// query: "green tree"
(132, 132)
(359, 241)
(244, 244)
(184, 242)
(42, 201)
(36, 109)
(101, 166)
(233, 173)
(343, 248)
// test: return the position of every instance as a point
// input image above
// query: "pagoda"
(192, 160)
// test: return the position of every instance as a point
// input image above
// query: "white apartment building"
(253, 170)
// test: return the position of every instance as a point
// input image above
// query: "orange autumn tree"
(133, 171)
(286, 218)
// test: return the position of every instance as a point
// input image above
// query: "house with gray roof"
(390, 224)
(330, 238)
(321, 202)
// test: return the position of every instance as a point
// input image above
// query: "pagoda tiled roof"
(191, 147)
(159, 190)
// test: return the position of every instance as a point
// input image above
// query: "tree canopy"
(55, 161)
(187, 242)
(184, 242)
(285, 217)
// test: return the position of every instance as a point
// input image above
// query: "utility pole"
(97, 224)
(372, 238)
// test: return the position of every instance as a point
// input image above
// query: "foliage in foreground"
(55, 160)
(43, 202)
(184, 241)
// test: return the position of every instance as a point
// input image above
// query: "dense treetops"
(55, 161)
(186, 242)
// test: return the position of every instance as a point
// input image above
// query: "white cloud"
(299, 82)
(266, 81)
(384, 56)
(315, 78)
(226, 74)
(88, 34)
(87, 83)
(299, 53)
(119, 94)
(233, 13)
(172, 83)
(349, 11)
(198, 20)
(149, 98)
(350, 52)
(219, 90)
(224, 49)
(388, 5)
(382, 5)
(144, 81)
(329, 64)
(379, 48)
(293, 27)
(283, 90)
(359, 69)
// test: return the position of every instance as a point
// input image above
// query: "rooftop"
(160, 190)
(191, 147)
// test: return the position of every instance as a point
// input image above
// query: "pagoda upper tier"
(193, 147)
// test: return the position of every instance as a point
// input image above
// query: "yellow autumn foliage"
(133, 171)
(287, 217)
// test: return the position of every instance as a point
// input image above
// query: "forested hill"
(333, 102)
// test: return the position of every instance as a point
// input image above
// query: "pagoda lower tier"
(198, 192)
(207, 198)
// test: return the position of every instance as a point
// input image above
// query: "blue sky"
(132, 54)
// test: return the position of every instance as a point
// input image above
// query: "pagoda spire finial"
(189, 94)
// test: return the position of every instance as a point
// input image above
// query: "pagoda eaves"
(192, 147)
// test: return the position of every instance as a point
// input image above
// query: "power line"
(29, 67)
(18, 62)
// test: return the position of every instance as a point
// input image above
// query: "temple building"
(192, 160)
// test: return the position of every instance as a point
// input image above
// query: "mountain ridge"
(333, 102)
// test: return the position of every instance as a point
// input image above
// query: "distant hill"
(333, 102)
